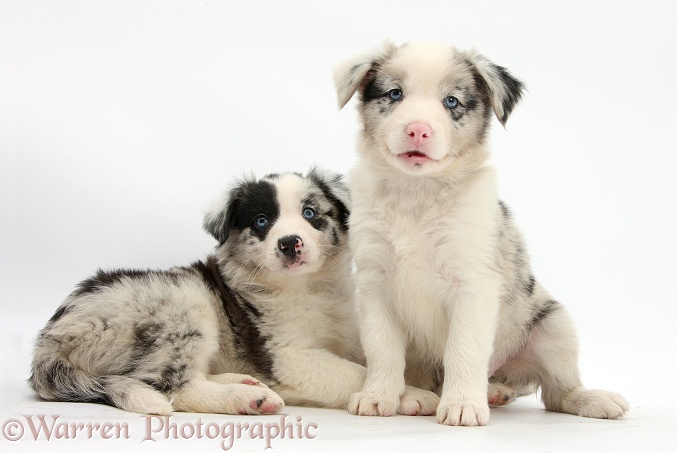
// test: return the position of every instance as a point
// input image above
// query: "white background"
(121, 120)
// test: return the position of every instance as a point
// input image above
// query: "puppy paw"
(250, 400)
(598, 404)
(500, 395)
(416, 401)
(373, 404)
(465, 413)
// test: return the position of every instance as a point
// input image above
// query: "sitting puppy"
(274, 303)
(446, 294)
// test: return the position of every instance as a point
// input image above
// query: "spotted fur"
(205, 337)
(447, 297)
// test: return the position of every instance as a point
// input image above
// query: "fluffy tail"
(56, 379)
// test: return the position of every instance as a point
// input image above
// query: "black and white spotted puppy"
(273, 304)
(447, 297)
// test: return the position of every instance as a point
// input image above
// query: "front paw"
(466, 413)
(417, 401)
(373, 404)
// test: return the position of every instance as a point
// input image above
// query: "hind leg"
(550, 359)
(201, 395)
(499, 395)
(135, 396)
(234, 378)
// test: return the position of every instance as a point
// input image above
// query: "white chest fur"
(423, 243)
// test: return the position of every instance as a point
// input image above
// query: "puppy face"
(423, 105)
(286, 224)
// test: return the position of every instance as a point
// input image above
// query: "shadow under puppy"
(274, 303)
(447, 297)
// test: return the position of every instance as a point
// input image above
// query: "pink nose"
(418, 133)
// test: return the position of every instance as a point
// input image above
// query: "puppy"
(275, 303)
(446, 294)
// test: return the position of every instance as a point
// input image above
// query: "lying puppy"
(274, 303)
(447, 296)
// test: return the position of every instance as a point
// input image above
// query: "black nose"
(290, 245)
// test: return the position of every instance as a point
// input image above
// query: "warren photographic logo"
(54, 428)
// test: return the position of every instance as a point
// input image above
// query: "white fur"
(443, 277)
(203, 338)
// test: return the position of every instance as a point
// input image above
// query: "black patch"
(103, 279)
(310, 201)
(318, 221)
(470, 102)
(190, 335)
(519, 259)
(172, 377)
(59, 313)
(241, 315)
(546, 310)
(151, 337)
(457, 113)
(466, 104)
(146, 336)
(529, 287)
(342, 213)
(372, 87)
(62, 380)
(485, 99)
(504, 210)
(255, 199)
(58, 377)
(220, 226)
(245, 203)
(513, 91)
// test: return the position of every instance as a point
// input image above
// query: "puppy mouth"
(415, 157)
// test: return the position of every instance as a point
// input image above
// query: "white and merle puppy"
(274, 304)
(447, 297)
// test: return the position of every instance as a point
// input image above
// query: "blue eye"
(308, 213)
(261, 222)
(395, 95)
(450, 102)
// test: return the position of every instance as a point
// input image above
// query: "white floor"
(522, 426)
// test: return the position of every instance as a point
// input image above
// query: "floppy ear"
(220, 217)
(505, 90)
(335, 189)
(349, 75)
